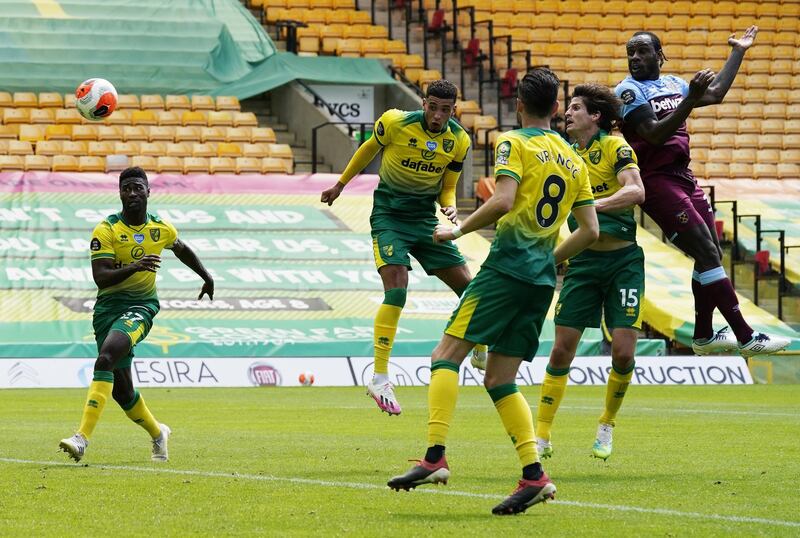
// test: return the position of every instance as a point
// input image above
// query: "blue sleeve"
(684, 86)
(631, 95)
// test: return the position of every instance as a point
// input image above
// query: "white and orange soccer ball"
(306, 379)
(96, 99)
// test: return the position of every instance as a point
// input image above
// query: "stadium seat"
(69, 116)
(31, 133)
(25, 100)
(74, 147)
(58, 132)
(129, 101)
(221, 165)
(792, 126)
(6, 100)
(45, 147)
(64, 163)
(271, 165)
(101, 148)
(177, 102)
(203, 102)
(237, 134)
(110, 132)
(717, 171)
(704, 125)
(11, 162)
(259, 150)
(749, 125)
(179, 149)
(91, 164)
(169, 165)
(37, 162)
(151, 101)
(69, 101)
(281, 151)
(262, 134)
(20, 147)
(248, 165)
(702, 140)
(116, 163)
(225, 149)
(187, 134)
(153, 149)
(161, 132)
(770, 140)
(120, 117)
(9, 131)
(740, 170)
(228, 102)
(790, 155)
(245, 119)
(42, 115)
(749, 155)
(3, 146)
(220, 119)
(16, 115)
(481, 126)
(195, 165)
(167, 117)
(212, 134)
(145, 161)
(723, 140)
(189, 117)
(773, 126)
(747, 140)
(779, 111)
(126, 148)
(765, 171)
(204, 150)
(786, 170)
(143, 117)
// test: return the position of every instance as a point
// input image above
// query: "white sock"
(380, 379)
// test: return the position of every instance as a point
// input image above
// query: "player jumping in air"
(540, 179)
(655, 108)
(608, 277)
(125, 252)
(423, 153)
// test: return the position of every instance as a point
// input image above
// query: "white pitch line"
(437, 491)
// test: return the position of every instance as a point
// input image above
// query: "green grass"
(726, 453)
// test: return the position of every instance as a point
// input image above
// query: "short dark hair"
(538, 91)
(133, 171)
(656, 45)
(443, 89)
(600, 99)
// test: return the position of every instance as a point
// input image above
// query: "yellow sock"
(615, 392)
(138, 412)
(482, 348)
(442, 397)
(517, 418)
(99, 391)
(553, 387)
(386, 321)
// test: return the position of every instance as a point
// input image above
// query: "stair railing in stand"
(350, 130)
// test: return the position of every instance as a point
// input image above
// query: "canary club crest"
(594, 156)
(155, 234)
(447, 145)
(388, 250)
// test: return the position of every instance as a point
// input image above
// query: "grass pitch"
(688, 461)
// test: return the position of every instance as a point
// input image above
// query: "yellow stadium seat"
(31, 133)
(752, 110)
(220, 119)
(151, 101)
(11, 162)
(262, 134)
(222, 165)
(360, 17)
(308, 44)
(766, 155)
(120, 117)
(126, 148)
(270, 165)
(110, 132)
(212, 134)
(69, 100)
(772, 126)
(3, 146)
(20, 147)
(37, 162)
(162, 132)
(204, 150)
(225, 149)
(153, 149)
(16, 115)
(724, 140)
(134, 132)
(167, 117)
(237, 134)
(765, 171)
(9, 131)
(228, 102)
(337, 17)
(6, 100)
(64, 163)
(281, 151)
(788, 171)
(747, 155)
(169, 165)
(716, 170)
(187, 134)
(245, 119)
(46, 147)
(781, 53)
(203, 102)
(73, 147)
(749, 125)
(701, 140)
(91, 164)
(194, 165)
(146, 162)
(177, 101)
(25, 100)
(179, 149)
(259, 150)
(779, 111)
(143, 117)
(756, 66)
(371, 48)
(740, 170)
(703, 125)
(69, 116)
(58, 132)
(248, 165)
(791, 142)
(769, 141)
(792, 126)
(725, 110)
(128, 101)
(781, 81)
(344, 4)
(189, 117)
(101, 148)
(43, 115)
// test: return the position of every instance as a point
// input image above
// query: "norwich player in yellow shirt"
(540, 180)
(608, 277)
(125, 253)
(423, 154)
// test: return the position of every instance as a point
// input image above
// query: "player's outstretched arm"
(187, 256)
(631, 193)
(583, 237)
(106, 275)
(722, 82)
(495, 207)
(360, 159)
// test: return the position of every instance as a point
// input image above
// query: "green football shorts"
(393, 241)
(503, 312)
(134, 321)
(608, 282)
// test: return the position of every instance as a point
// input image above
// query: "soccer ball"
(96, 99)
(306, 379)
